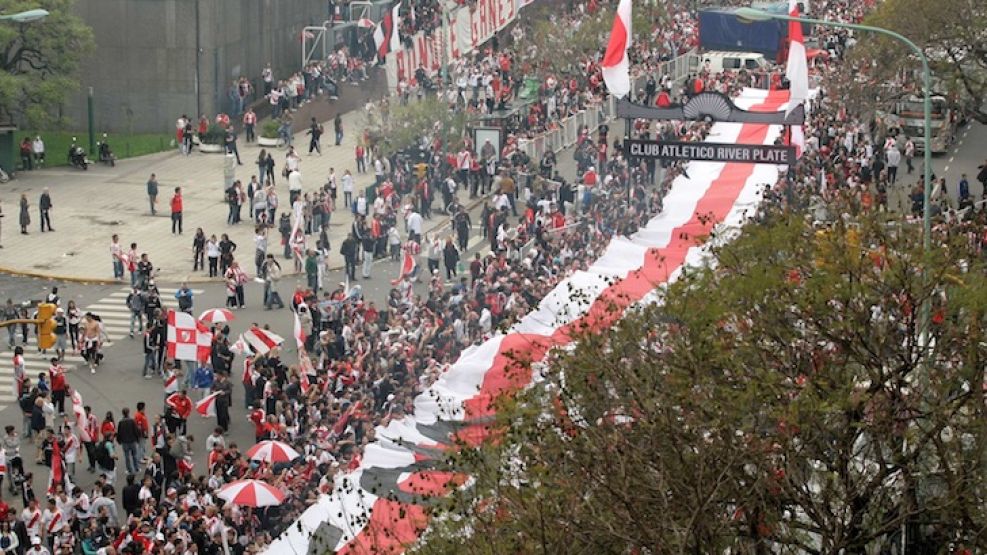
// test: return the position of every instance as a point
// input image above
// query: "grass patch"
(123, 145)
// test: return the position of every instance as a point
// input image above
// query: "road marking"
(951, 158)
(112, 309)
(946, 169)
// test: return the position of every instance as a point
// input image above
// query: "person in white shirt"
(347, 182)
(378, 171)
(38, 149)
(31, 517)
(414, 223)
(37, 548)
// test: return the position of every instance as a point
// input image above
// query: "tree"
(40, 60)
(781, 400)
(400, 127)
(953, 34)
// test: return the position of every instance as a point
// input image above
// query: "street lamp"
(26, 16)
(752, 14)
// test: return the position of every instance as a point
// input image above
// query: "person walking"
(116, 253)
(893, 156)
(450, 256)
(230, 141)
(249, 121)
(129, 435)
(347, 182)
(369, 244)
(272, 273)
(176, 211)
(44, 207)
(25, 217)
(152, 193)
(349, 251)
(315, 133)
(136, 302)
(337, 124)
(260, 249)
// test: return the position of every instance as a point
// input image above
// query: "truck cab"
(717, 61)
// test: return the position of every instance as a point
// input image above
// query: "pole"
(92, 125)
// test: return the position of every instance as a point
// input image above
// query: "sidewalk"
(90, 206)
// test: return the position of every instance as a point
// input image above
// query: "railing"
(566, 132)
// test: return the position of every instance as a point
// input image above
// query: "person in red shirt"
(176, 211)
(56, 377)
(181, 406)
(259, 420)
(108, 428)
(663, 100)
(144, 427)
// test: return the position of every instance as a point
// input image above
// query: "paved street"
(90, 206)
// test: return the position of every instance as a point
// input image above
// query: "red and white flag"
(207, 406)
(386, 37)
(188, 339)
(262, 341)
(797, 73)
(299, 335)
(57, 476)
(305, 369)
(240, 347)
(616, 65)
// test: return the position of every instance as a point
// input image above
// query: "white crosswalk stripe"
(115, 314)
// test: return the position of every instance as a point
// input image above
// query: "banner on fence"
(425, 52)
(471, 27)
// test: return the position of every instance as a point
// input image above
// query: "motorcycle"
(77, 157)
(106, 155)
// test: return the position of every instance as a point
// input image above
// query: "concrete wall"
(143, 71)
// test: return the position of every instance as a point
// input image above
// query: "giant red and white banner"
(398, 475)
(425, 52)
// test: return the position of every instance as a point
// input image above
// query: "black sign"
(711, 152)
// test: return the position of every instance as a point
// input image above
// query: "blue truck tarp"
(720, 29)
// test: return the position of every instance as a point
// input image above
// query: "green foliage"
(215, 134)
(269, 129)
(404, 126)
(779, 401)
(953, 34)
(40, 61)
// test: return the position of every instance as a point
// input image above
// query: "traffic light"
(46, 326)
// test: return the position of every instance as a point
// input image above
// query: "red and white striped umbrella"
(272, 452)
(214, 315)
(251, 493)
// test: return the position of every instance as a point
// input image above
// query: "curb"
(50, 277)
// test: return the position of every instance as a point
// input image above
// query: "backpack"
(184, 302)
(104, 458)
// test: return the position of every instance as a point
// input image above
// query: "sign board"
(711, 152)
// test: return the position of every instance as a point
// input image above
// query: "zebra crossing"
(114, 312)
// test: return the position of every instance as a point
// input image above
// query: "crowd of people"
(361, 362)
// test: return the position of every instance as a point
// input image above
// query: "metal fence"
(565, 133)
